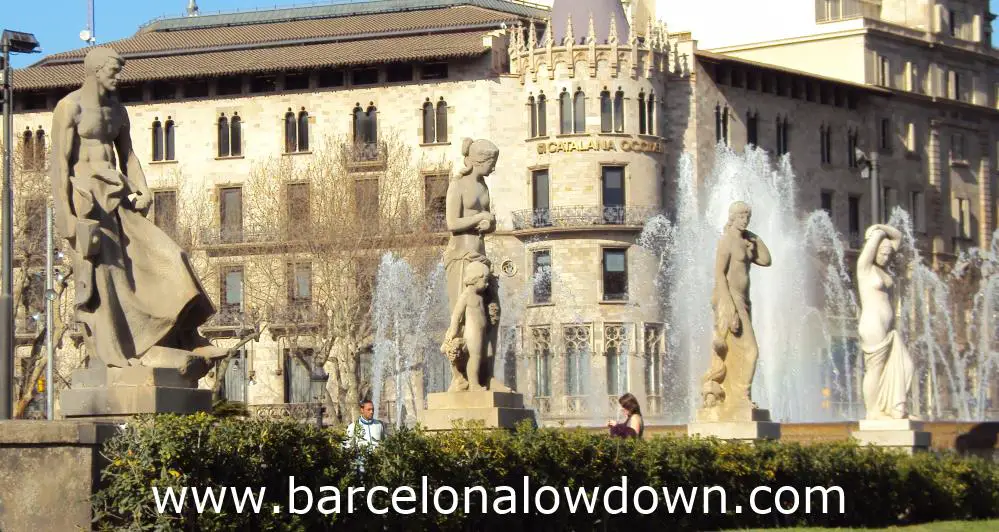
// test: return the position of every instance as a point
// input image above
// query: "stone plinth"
(901, 434)
(745, 424)
(496, 410)
(48, 472)
(108, 393)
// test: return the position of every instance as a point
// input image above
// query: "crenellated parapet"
(636, 57)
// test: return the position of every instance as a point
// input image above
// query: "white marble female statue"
(469, 220)
(888, 368)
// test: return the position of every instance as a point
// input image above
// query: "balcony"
(366, 157)
(836, 10)
(228, 322)
(216, 236)
(580, 216)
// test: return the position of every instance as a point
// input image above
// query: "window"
(260, 84)
(579, 112)
(442, 120)
(884, 71)
(236, 136)
(889, 200)
(434, 122)
(232, 289)
(643, 119)
(34, 222)
(435, 196)
(163, 91)
(651, 112)
(304, 380)
(615, 351)
(223, 140)
(366, 206)
(542, 337)
(917, 207)
(540, 198)
(299, 209)
(782, 136)
(331, 78)
(576, 339)
(435, 71)
(299, 283)
(953, 85)
(615, 270)
(365, 76)
(721, 124)
(296, 131)
(910, 84)
(542, 279)
(28, 149)
(826, 201)
(294, 81)
(885, 144)
(196, 89)
(854, 216)
(157, 140)
(612, 194)
(851, 148)
(231, 214)
(825, 143)
(753, 128)
(366, 133)
(399, 73)
(957, 147)
(532, 115)
(952, 22)
(606, 112)
(39, 148)
(538, 109)
(910, 138)
(165, 211)
(565, 112)
(169, 142)
(963, 218)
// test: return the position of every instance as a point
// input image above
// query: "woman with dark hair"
(633, 425)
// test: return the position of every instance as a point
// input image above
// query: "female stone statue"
(734, 349)
(469, 220)
(134, 286)
(888, 368)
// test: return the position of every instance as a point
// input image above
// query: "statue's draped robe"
(137, 289)
(889, 360)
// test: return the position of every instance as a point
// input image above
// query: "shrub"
(880, 487)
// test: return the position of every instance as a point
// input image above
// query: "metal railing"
(299, 313)
(834, 10)
(229, 318)
(218, 236)
(583, 215)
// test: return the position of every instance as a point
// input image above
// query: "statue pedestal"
(740, 424)
(113, 393)
(901, 434)
(496, 410)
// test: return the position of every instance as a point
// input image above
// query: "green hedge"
(881, 488)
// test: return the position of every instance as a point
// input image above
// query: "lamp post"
(871, 169)
(23, 43)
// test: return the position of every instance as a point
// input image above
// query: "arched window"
(236, 135)
(40, 148)
(223, 127)
(303, 130)
(168, 140)
(619, 111)
(429, 123)
(565, 110)
(651, 112)
(28, 149)
(532, 112)
(366, 131)
(290, 132)
(157, 140)
(606, 112)
(442, 120)
(371, 114)
(642, 114)
(579, 124)
(542, 115)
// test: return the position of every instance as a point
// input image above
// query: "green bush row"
(881, 488)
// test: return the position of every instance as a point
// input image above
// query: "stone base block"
(495, 410)
(124, 401)
(737, 413)
(736, 430)
(101, 376)
(901, 434)
(48, 472)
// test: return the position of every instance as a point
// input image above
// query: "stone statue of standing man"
(136, 294)
(888, 368)
(734, 351)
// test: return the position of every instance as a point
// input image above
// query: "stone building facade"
(590, 129)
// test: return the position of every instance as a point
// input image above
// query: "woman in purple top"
(633, 425)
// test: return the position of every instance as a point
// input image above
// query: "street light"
(19, 43)
(870, 169)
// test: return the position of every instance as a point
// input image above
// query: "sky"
(57, 23)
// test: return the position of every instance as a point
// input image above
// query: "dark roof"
(283, 42)
(339, 9)
(267, 59)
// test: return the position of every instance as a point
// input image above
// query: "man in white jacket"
(366, 430)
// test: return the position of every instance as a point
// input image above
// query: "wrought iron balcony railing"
(216, 236)
(297, 313)
(229, 318)
(583, 216)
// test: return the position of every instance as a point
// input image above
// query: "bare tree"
(321, 224)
